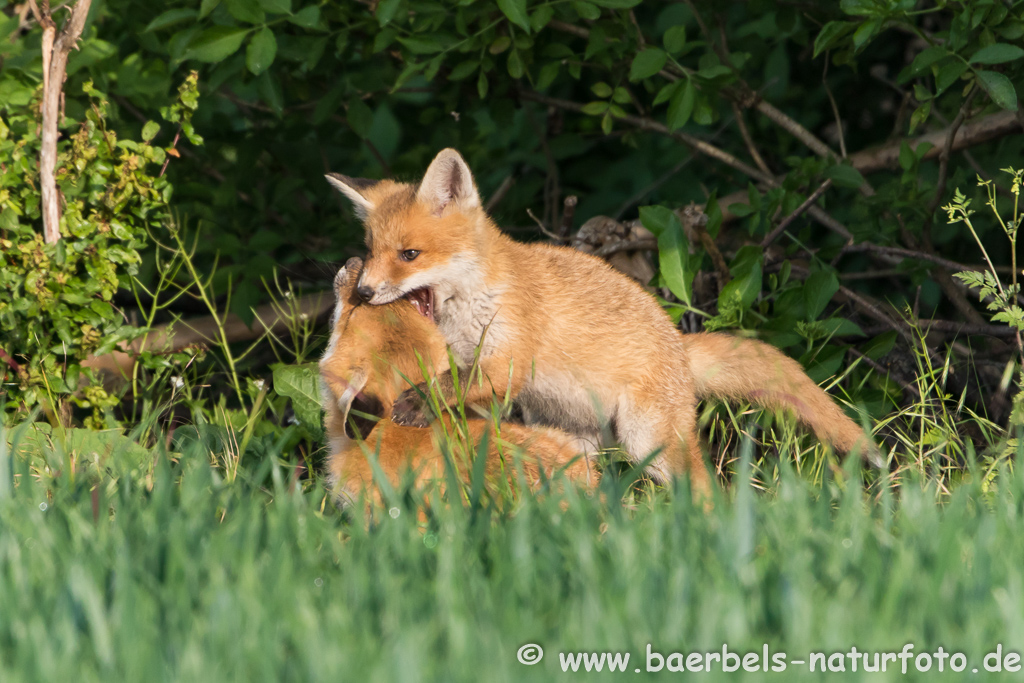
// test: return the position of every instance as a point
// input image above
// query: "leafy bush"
(56, 304)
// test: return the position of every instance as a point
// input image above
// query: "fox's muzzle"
(365, 293)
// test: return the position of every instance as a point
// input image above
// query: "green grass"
(160, 569)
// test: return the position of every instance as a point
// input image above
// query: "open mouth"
(423, 300)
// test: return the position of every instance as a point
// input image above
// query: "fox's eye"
(409, 254)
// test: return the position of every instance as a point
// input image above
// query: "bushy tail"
(728, 367)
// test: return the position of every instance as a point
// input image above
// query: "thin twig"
(751, 147)
(947, 148)
(642, 244)
(770, 237)
(174, 146)
(904, 253)
(881, 369)
(645, 123)
(500, 193)
(568, 215)
(835, 108)
(543, 228)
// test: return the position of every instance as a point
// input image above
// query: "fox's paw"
(410, 411)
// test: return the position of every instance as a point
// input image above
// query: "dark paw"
(409, 410)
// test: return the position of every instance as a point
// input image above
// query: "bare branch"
(770, 237)
(568, 215)
(55, 49)
(751, 147)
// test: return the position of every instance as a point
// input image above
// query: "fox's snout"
(373, 288)
(365, 293)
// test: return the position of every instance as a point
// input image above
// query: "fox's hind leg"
(646, 422)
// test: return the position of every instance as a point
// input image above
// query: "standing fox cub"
(577, 344)
(371, 352)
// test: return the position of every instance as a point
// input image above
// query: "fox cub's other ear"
(448, 181)
(354, 189)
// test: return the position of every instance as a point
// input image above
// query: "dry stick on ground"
(174, 337)
(55, 50)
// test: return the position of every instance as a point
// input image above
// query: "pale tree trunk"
(56, 47)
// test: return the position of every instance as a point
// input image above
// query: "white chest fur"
(471, 317)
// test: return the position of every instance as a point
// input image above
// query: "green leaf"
(999, 88)
(667, 91)
(170, 18)
(907, 156)
(515, 64)
(865, 32)
(386, 11)
(540, 17)
(499, 45)
(216, 44)
(246, 10)
(601, 89)
(261, 51)
(714, 71)
(681, 106)
(830, 35)
(920, 115)
(307, 17)
(587, 11)
(819, 288)
(515, 10)
(464, 70)
(673, 253)
(675, 39)
(482, 84)
(300, 383)
(276, 6)
(859, 7)
(617, 4)
(359, 117)
(595, 108)
(647, 63)
(422, 45)
(150, 130)
(997, 54)
(926, 58)
(269, 89)
(947, 75)
(547, 75)
(844, 175)
(207, 6)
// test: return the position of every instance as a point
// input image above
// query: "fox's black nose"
(365, 293)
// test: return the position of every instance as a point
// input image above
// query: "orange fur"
(579, 345)
(373, 349)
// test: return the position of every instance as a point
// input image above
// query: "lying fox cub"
(576, 344)
(370, 350)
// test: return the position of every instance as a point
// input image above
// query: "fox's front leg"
(412, 409)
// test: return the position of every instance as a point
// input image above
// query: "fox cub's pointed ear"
(448, 182)
(354, 189)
